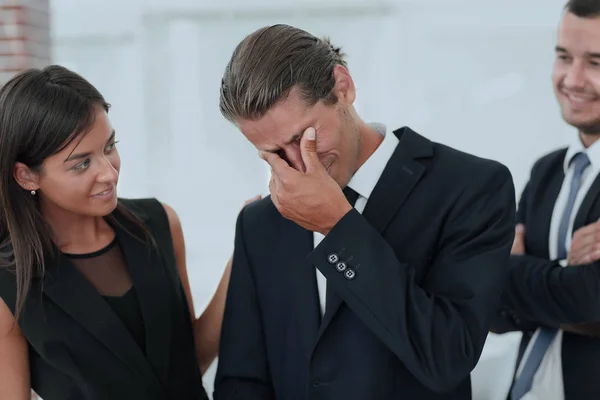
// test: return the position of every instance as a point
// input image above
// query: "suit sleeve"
(436, 328)
(542, 290)
(243, 371)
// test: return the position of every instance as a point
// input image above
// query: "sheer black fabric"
(107, 271)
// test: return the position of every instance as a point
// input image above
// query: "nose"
(107, 173)
(575, 77)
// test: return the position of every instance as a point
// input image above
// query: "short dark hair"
(269, 62)
(583, 8)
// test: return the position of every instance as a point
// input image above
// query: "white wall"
(471, 74)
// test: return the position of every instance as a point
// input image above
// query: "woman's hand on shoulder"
(255, 198)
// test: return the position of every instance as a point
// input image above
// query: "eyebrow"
(289, 141)
(563, 50)
(80, 156)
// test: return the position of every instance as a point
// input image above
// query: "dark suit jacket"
(541, 292)
(430, 256)
(79, 348)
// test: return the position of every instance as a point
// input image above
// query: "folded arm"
(544, 291)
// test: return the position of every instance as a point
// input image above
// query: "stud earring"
(33, 192)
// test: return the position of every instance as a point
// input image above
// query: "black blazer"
(541, 292)
(80, 349)
(430, 253)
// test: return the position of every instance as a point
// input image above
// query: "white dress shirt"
(548, 380)
(363, 182)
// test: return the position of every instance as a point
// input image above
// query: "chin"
(585, 125)
(580, 112)
(103, 210)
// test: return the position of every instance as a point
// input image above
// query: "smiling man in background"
(558, 227)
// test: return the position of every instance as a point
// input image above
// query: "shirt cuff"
(563, 263)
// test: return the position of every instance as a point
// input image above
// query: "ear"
(344, 85)
(25, 177)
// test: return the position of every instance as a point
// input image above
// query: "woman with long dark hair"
(94, 296)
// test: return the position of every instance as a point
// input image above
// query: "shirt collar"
(367, 176)
(575, 146)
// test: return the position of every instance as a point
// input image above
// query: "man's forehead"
(275, 126)
(574, 28)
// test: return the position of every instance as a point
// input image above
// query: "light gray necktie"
(523, 383)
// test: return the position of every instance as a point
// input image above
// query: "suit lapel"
(66, 287)
(334, 302)
(547, 210)
(586, 206)
(401, 174)
(398, 179)
(543, 219)
(296, 247)
(147, 270)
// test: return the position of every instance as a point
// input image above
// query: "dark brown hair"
(584, 8)
(268, 63)
(41, 112)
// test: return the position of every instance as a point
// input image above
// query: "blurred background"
(472, 74)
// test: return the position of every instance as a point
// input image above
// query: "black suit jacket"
(542, 293)
(78, 346)
(430, 256)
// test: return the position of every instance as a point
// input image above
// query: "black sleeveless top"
(114, 324)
